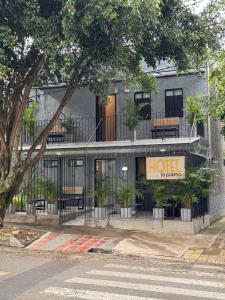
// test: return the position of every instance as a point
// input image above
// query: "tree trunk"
(2, 216)
(5, 200)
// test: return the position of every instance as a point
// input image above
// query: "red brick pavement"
(43, 240)
(82, 244)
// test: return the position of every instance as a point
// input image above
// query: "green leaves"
(126, 193)
(195, 185)
(196, 112)
(30, 117)
(159, 189)
(102, 187)
(217, 79)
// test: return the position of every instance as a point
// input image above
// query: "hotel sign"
(168, 167)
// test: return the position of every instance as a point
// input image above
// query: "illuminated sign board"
(168, 167)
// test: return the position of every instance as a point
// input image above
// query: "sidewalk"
(215, 253)
(207, 246)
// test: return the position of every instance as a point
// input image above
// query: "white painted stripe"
(87, 294)
(4, 273)
(149, 288)
(158, 278)
(208, 267)
(162, 269)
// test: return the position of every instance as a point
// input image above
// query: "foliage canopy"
(82, 43)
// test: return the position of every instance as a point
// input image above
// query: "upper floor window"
(174, 103)
(144, 100)
(75, 163)
(51, 163)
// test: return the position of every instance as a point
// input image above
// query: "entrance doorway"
(105, 177)
(106, 119)
(145, 204)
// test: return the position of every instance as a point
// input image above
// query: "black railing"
(111, 128)
(69, 187)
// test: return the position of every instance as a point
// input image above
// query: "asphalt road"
(107, 277)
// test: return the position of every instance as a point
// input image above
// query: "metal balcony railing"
(112, 128)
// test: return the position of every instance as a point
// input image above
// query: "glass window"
(178, 92)
(50, 163)
(169, 93)
(174, 103)
(75, 162)
(144, 100)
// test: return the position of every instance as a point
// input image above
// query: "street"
(29, 277)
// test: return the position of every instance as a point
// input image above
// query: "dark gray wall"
(82, 105)
(83, 101)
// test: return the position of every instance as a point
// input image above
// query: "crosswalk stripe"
(158, 278)
(163, 269)
(4, 273)
(148, 288)
(87, 294)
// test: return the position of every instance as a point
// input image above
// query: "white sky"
(197, 5)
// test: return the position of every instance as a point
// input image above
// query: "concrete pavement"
(208, 246)
(215, 252)
(113, 278)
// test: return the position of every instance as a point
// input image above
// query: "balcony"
(114, 128)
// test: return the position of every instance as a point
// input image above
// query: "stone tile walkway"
(216, 252)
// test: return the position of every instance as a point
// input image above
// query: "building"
(94, 146)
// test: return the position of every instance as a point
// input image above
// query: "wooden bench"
(74, 194)
(166, 127)
(57, 134)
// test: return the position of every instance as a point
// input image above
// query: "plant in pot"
(189, 190)
(70, 126)
(48, 190)
(125, 195)
(132, 118)
(28, 192)
(196, 114)
(30, 118)
(160, 191)
(16, 202)
(101, 188)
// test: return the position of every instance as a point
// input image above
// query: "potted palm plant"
(70, 126)
(30, 118)
(125, 195)
(188, 191)
(16, 201)
(132, 119)
(195, 112)
(48, 191)
(28, 192)
(101, 188)
(160, 191)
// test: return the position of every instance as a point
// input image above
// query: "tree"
(214, 101)
(217, 99)
(80, 43)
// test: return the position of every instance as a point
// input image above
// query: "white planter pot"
(69, 137)
(117, 208)
(126, 213)
(52, 208)
(158, 213)
(12, 208)
(30, 208)
(185, 214)
(100, 212)
(133, 135)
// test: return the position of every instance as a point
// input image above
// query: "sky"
(197, 5)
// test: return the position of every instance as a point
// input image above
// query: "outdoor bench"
(165, 127)
(73, 196)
